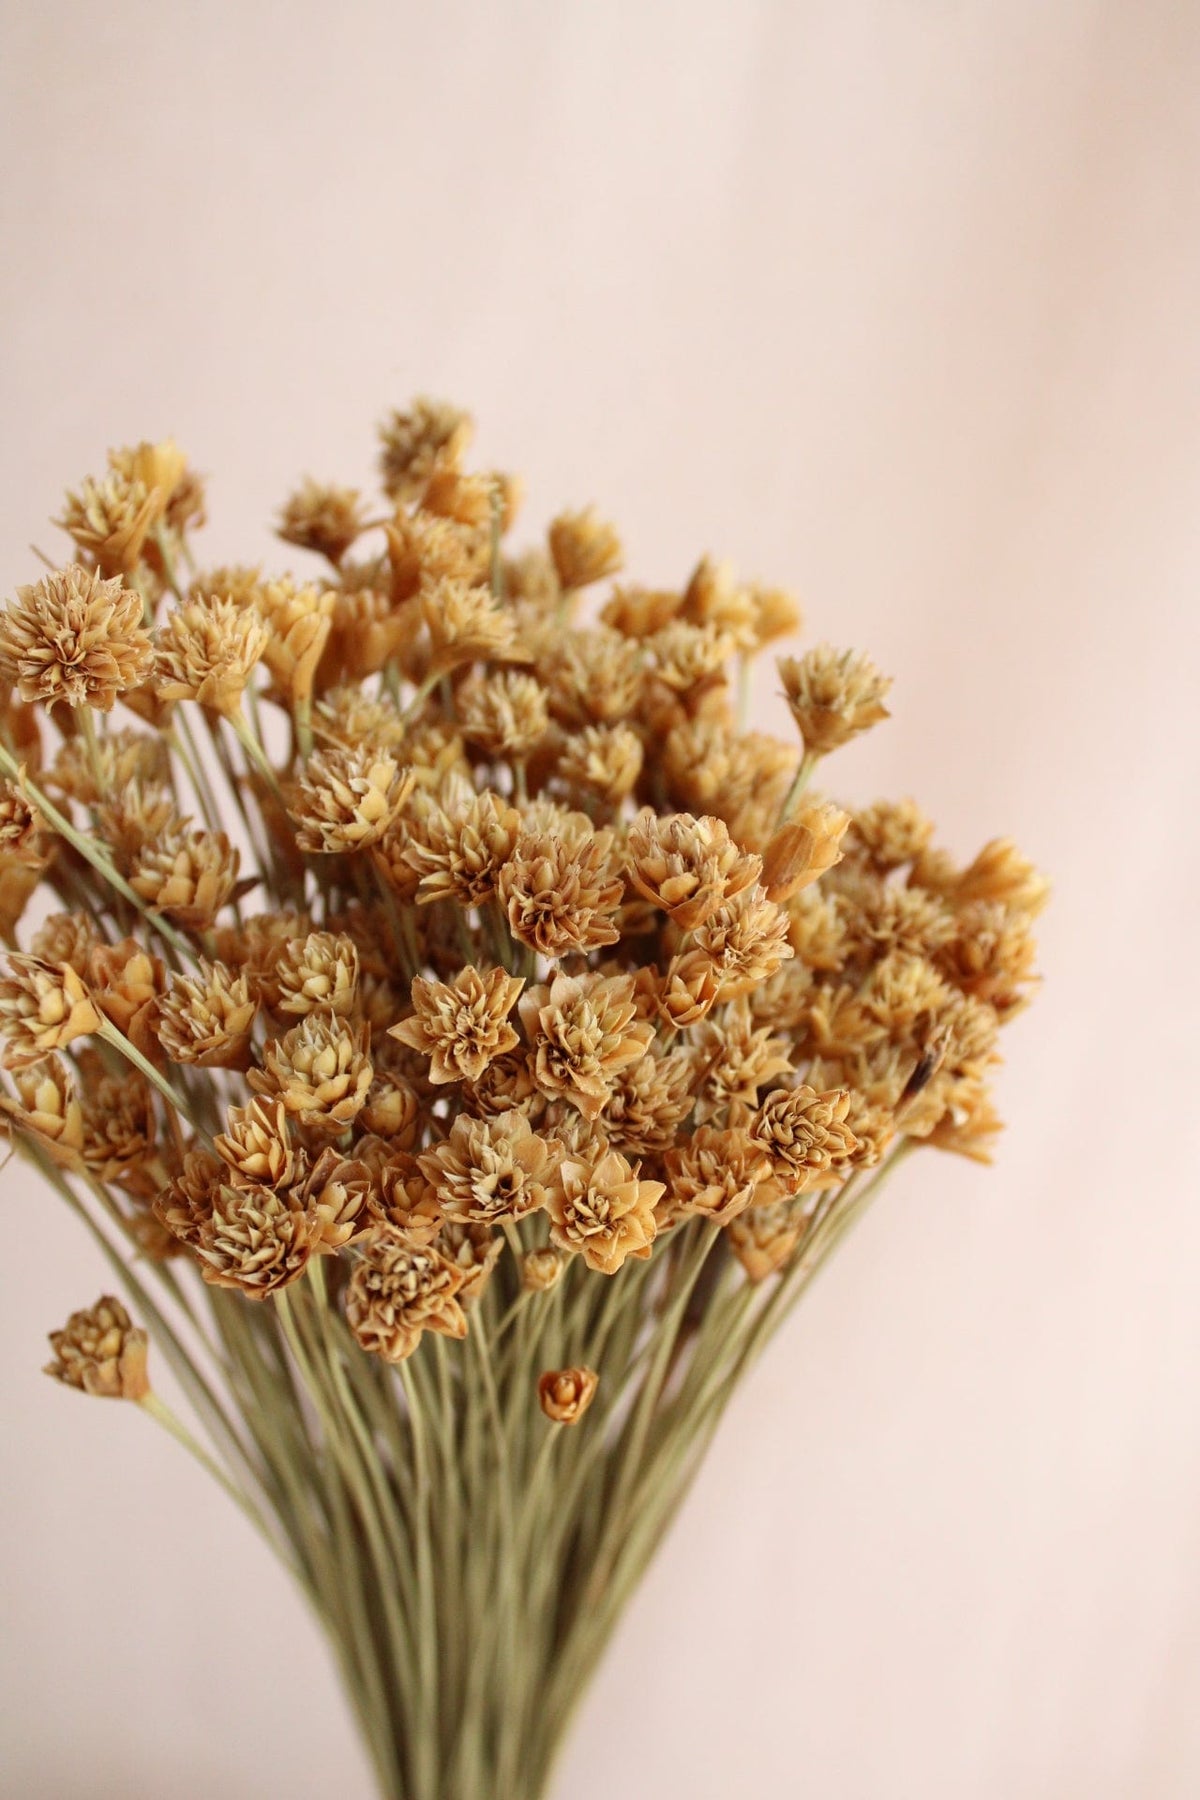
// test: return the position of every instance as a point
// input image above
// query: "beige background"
(896, 304)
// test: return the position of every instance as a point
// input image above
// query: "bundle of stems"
(460, 1158)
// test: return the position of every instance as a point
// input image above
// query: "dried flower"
(687, 866)
(110, 520)
(833, 694)
(102, 1352)
(491, 1169)
(584, 548)
(347, 798)
(43, 1007)
(323, 518)
(321, 1070)
(186, 875)
(716, 1173)
(505, 712)
(318, 970)
(542, 1269)
(584, 1030)
(565, 1394)
(76, 638)
(455, 850)
(254, 1239)
(206, 650)
(602, 1210)
(429, 436)
(803, 849)
(461, 1025)
(398, 1290)
(464, 624)
(804, 1134)
(256, 1145)
(559, 892)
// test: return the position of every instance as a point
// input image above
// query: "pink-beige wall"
(896, 304)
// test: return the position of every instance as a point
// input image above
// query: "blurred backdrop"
(893, 304)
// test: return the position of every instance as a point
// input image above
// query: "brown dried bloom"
(111, 519)
(322, 517)
(764, 1237)
(102, 1352)
(716, 1173)
(256, 1145)
(473, 1251)
(688, 657)
(118, 1120)
(505, 712)
(737, 1056)
(321, 1070)
(48, 1105)
(254, 1239)
(687, 866)
(318, 970)
(400, 1196)
(833, 694)
(584, 548)
(491, 1169)
(745, 940)
(347, 798)
(593, 677)
(398, 1290)
(206, 650)
(689, 990)
(602, 1210)
(564, 1395)
(559, 892)
(66, 937)
(461, 1025)
(465, 624)
(585, 1029)
(431, 435)
(187, 875)
(43, 1007)
(74, 637)
(458, 847)
(892, 831)
(650, 1100)
(334, 1196)
(804, 1134)
(207, 1017)
(604, 760)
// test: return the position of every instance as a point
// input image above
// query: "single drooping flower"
(100, 1351)
(74, 637)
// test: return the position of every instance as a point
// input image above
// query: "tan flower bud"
(465, 624)
(687, 866)
(716, 1173)
(803, 849)
(334, 1196)
(48, 1106)
(111, 520)
(542, 1269)
(256, 1144)
(560, 891)
(764, 1236)
(254, 1239)
(102, 1352)
(298, 621)
(126, 981)
(804, 1134)
(565, 1394)
(431, 435)
(584, 1029)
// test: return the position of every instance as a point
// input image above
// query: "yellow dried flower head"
(716, 1173)
(803, 849)
(400, 1289)
(473, 1252)
(649, 1101)
(764, 1236)
(465, 623)
(347, 798)
(102, 1352)
(299, 620)
(804, 1134)
(321, 1070)
(560, 891)
(430, 435)
(745, 941)
(207, 1018)
(48, 1105)
(542, 1269)
(43, 1007)
(256, 1145)
(893, 832)
(322, 517)
(334, 1196)
(186, 875)
(461, 1025)
(592, 677)
(254, 1239)
(687, 657)
(76, 638)
(111, 519)
(119, 1128)
(505, 712)
(584, 1030)
(687, 866)
(318, 970)
(206, 650)
(584, 548)
(833, 694)
(456, 847)
(602, 1210)
(491, 1169)
(603, 761)
(564, 1395)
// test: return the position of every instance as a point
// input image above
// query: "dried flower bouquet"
(464, 1038)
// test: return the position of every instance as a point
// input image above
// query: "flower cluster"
(509, 938)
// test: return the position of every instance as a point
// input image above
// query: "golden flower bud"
(461, 1025)
(323, 518)
(565, 1394)
(187, 875)
(206, 650)
(542, 1269)
(584, 548)
(803, 849)
(100, 1351)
